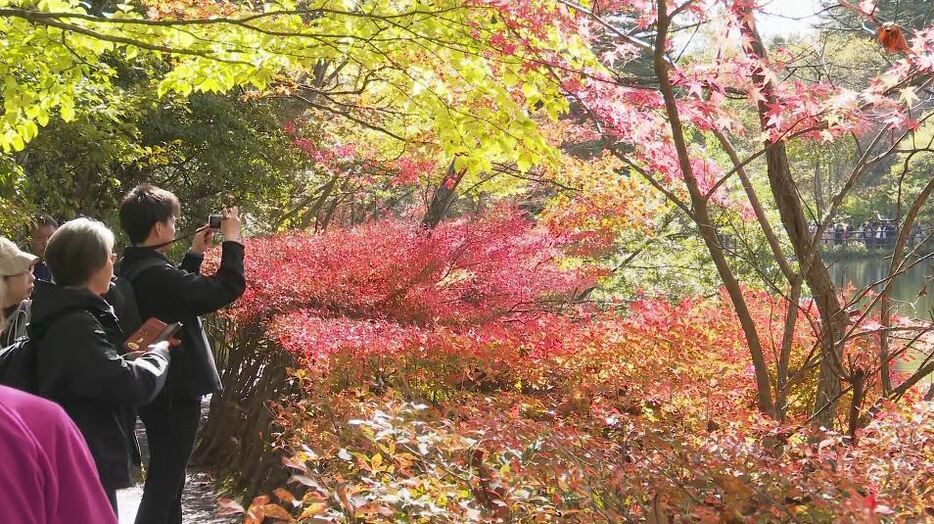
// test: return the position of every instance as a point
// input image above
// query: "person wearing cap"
(17, 281)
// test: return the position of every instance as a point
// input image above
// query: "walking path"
(199, 501)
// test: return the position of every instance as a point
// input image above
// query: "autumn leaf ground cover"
(442, 376)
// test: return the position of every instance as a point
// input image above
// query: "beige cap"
(14, 260)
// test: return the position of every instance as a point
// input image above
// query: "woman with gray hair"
(81, 364)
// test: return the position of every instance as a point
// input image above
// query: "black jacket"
(81, 368)
(181, 294)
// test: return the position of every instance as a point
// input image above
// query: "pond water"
(912, 292)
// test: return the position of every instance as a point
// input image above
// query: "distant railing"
(882, 236)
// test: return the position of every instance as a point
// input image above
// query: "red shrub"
(460, 273)
(471, 287)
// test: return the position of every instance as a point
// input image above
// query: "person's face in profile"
(165, 233)
(18, 287)
(40, 238)
(100, 281)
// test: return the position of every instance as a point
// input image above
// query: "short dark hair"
(43, 221)
(145, 206)
(77, 250)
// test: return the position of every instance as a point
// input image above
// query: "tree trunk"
(705, 225)
(833, 318)
(784, 356)
(317, 197)
(859, 380)
(818, 188)
(444, 196)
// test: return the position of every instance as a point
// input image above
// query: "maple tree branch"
(655, 183)
(770, 236)
(614, 149)
(792, 133)
(313, 13)
(888, 280)
(512, 171)
(641, 44)
(852, 179)
(666, 221)
(897, 261)
(916, 377)
(767, 148)
(352, 118)
(869, 287)
(707, 229)
(924, 369)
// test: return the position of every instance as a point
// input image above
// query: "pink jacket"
(47, 475)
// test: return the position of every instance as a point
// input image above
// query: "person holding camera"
(177, 294)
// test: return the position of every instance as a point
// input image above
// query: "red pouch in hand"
(151, 332)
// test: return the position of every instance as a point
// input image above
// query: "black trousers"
(112, 497)
(170, 428)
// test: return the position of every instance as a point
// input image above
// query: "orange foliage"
(892, 39)
(651, 418)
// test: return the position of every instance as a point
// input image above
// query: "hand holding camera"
(228, 223)
(202, 239)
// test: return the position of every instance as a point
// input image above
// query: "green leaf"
(525, 161)
(42, 117)
(30, 130)
(67, 111)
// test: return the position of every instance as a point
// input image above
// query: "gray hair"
(78, 250)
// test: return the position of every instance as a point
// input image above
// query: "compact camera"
(214, 221)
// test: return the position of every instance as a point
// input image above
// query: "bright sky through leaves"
(787, 17)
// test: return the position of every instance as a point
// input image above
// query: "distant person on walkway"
(81, 364)
(16, 281)
(867, 234)
(40, 233)
(827, 236)
(177, 294)
(890, 234)
(916, 235)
